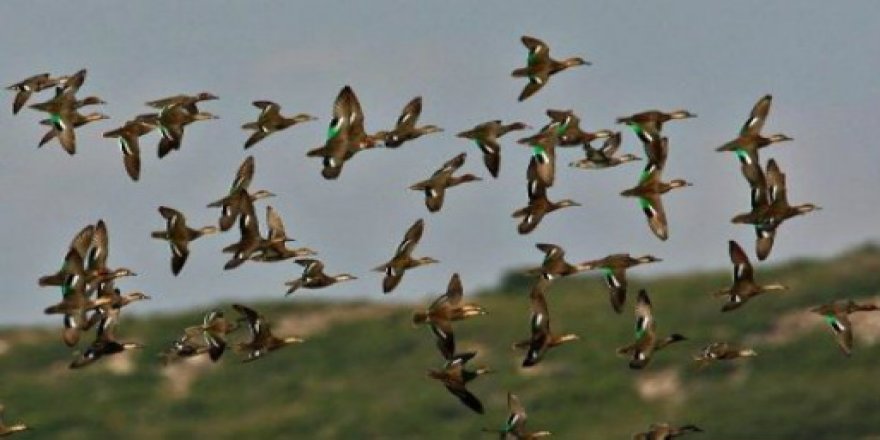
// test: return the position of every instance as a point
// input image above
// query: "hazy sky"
(819, 59)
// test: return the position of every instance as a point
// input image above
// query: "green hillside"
(361, 374)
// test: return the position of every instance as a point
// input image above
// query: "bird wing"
(410, 114)
(742, 267)
(652, 206)
(454, 291)
(756, 119)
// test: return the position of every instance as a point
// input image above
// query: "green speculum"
(644, 203)
(537, 150)
(56, 121)
(561, 129)
(332, 132)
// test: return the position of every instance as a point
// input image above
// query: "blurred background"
(819, 60)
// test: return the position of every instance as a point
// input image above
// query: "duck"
(95, 259)
(214, 329)
(455, 378)
(542, 338)
(543, 158)
(722, 351)
(62, 116)
(445, 309)
(262, 340)
(271, 121)
(187, 346)
(604, 157)
(128, 138)
(744, 286)
(7, 430)
(534, 184)
(568, 129)
(78, 121)
(770, 208)
(345, 135)
(614, 268)
(274, 248)
(71, 83)
(76, 118)
(188, 102)
(402, 259)
(836, 314)
(80, 244)
(171, 121)
(405, 130)
(249, 230)
(179, 235)
(540, 66)
(647, 342)
(539, 206)
(74, 302)
(750, 140)
(448, 307)
(313, 276)
(105, 344)
(665, 431)
(435, 187)
(28, 86)
(647, 125)
(649, 191)
(109, 312)
(515, 426)
(486, 135)
(229, 204)
(554, 264)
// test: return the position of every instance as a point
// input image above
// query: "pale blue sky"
(819, 60)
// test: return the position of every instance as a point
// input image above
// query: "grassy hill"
(361, 374)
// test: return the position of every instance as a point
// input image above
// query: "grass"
(361, 373)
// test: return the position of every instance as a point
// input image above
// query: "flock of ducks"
(90, 298)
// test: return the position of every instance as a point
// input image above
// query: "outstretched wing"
(410, 114)
(742, 268)
(757, 117)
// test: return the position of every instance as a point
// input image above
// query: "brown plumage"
(179, 235)
(614, 268)
(313, 276)
(435, 187)
(568, 129)
(402, 259)
(262, 341)
(649, 192)
(455, 378)
(270, 121)
(345, 134)
(486, 136)
(128, 138)
(539, 206)
(540, 66)
(515, 425)
(405, 129)
(721, 351)
(770, 207)
(836, 314)
(744, 286)
(647, 343)
(604, 157)
(542, 338)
